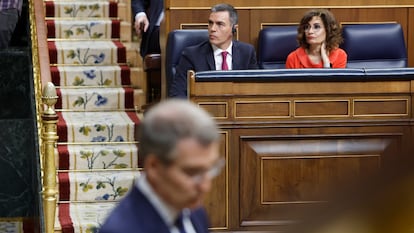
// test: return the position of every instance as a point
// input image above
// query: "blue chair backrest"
(375, 45)
(178, 40)
(274, 45)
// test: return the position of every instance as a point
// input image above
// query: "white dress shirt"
(167, 213)
(218, 58)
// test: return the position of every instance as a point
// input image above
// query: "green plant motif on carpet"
(91, 157)
(91, 74)
(74, 10)
(83, 101)
(80, 29)
(116, 191)
(86, 130)
(76, 54)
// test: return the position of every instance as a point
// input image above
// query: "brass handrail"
(46, 119)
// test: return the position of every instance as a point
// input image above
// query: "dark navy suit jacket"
(135, 214)
(201, 58)
(153, 9)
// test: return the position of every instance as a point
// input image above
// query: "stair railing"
(46, 118)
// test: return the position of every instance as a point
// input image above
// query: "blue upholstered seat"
(274, 45)
(178, 40)
(375, 45)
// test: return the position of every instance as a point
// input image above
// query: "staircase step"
(81, 9)
(91, 75)
(87, 52)
(92, 157)
(83, 217)
(100, 127)
(96, 29)
(95, 98)
(97, 186)
(97, 127)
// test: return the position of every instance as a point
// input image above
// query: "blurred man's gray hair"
(173, 120)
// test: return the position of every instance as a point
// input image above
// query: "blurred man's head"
(180, 149)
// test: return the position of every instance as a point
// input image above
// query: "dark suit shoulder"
(194, 49)
(241, 44)
(134, 214)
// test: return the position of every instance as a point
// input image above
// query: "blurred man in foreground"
(180, 149)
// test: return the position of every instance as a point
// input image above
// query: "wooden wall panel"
(284, 176)
(179, 17)
(272, 16)
(217, 201)
(374, 15)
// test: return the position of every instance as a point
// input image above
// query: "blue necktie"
(179, 223)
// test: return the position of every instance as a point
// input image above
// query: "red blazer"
(299, 59)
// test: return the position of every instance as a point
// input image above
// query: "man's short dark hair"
(234, 18)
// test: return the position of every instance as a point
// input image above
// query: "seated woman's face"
(315, 32)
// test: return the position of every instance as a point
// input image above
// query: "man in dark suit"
(180, 149)
(9, 16)
(148, 15)
(208, 55)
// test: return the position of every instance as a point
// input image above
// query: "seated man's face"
(220, 29)
(185, 182)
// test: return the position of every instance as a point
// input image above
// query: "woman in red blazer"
(319, 36)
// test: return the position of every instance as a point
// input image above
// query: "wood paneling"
(381, 107)
(217, 202)
(219, 110)
(286, 175)
(322, 108)
(272, 16)
(296, 143)
(261, 109)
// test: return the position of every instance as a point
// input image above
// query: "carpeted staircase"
(97, 148)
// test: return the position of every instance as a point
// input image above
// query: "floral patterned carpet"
(97, 148)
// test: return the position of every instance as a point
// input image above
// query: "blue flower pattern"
(99, 58)
(99, 139)
(101, 100)
(119, 139)
(90, 74)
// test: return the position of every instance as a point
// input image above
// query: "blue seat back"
(178, 40)
(375, 45)
(274, 45)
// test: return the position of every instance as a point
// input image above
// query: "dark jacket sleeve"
(252, 59)
(138, 6)
(247, 56)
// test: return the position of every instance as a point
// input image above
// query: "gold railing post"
(49, 139)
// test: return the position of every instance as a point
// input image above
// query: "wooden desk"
(290, 139)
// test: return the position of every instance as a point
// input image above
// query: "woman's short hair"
(332, 28)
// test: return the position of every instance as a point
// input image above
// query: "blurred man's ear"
(151, 165)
